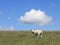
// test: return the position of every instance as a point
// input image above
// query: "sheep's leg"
(41, 36)
(38, 36)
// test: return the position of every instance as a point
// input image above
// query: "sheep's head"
(32, 31)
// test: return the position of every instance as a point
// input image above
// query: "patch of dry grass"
(26, 38)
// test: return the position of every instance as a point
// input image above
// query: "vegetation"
(27, 38)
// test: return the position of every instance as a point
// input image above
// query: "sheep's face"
(32, 30)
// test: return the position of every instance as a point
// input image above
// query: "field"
(27, 38)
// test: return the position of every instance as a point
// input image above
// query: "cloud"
(36, 17)
(52, 4)
(9, 18)
(10, 28)
(0, 26)
(0, 12)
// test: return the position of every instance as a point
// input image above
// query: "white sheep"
(37, 33)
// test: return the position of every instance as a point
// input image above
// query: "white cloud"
(36, 17)
(52, 4)
(6, 29)
(0, 12)
(10, 28)
(0, 27)
(9, 18)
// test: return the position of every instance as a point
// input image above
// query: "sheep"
(37, 33)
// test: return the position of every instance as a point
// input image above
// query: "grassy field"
(26, 38)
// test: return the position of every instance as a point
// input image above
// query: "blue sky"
(12, 10)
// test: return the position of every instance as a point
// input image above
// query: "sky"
(29, 14)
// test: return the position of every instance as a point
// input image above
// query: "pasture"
(27, 38)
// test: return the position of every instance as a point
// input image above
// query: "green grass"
(27, 38)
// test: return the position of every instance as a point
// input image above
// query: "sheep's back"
(38, 31)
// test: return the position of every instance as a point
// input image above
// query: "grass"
(27, 38)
